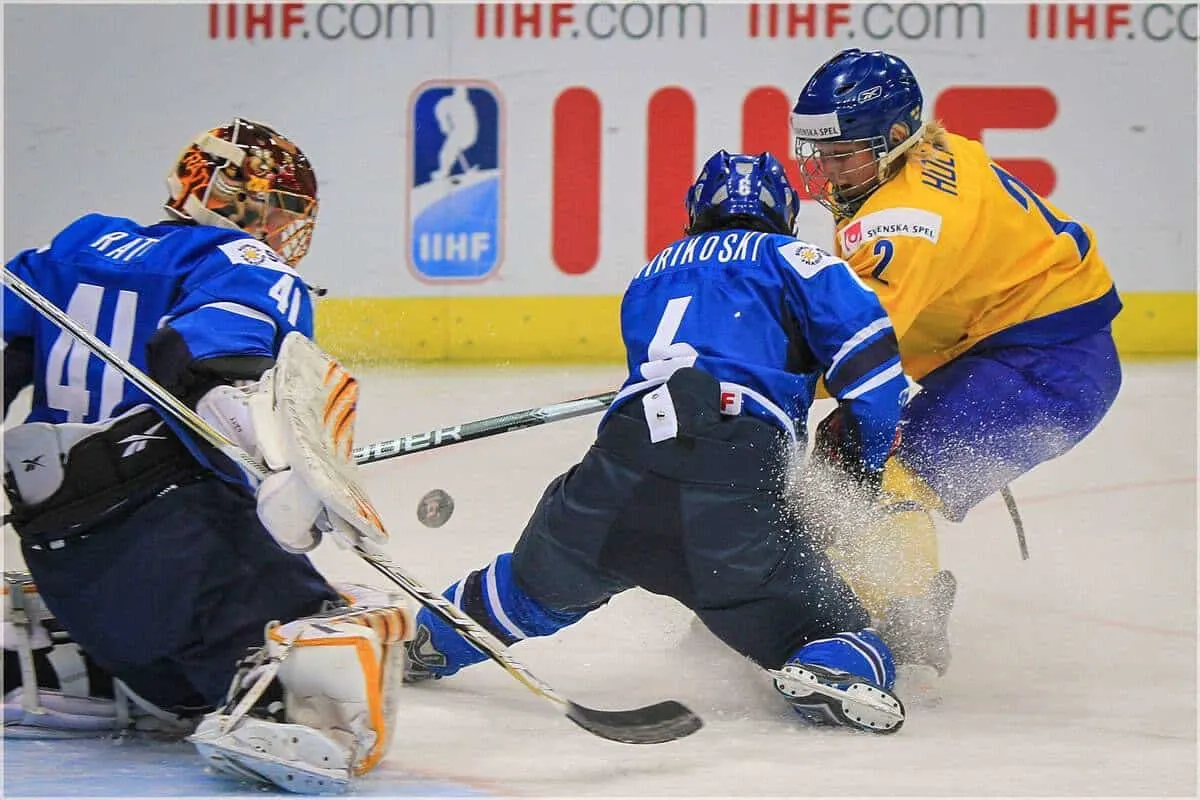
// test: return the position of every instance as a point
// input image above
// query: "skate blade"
(858, 705)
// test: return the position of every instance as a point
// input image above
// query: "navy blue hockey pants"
(701, 518)
(169, 597)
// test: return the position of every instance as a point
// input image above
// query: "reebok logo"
(30, 464)
(137, 442)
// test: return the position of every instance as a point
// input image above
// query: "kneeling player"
(684, 492)
(308, 710)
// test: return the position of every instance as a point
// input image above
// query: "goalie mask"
(246, 175)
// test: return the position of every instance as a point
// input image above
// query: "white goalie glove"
(298, 420)
(287, 507)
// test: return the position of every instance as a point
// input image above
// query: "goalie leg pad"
(339, 675)
(343, 674)
(32, 709)
(59, 716)
(53, 690)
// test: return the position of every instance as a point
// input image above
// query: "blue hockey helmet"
(733, 185)
(858, 113)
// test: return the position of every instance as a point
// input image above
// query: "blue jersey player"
(683, 493)
(151, 552)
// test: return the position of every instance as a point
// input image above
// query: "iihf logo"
(455, 202)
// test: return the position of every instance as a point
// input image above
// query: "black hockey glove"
(837, 444)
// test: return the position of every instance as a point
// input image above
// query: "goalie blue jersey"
(220, 293)
(767, 315)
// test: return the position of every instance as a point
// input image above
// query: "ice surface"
(1074, 673)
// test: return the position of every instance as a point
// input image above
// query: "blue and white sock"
(862, 654)
(491, 597)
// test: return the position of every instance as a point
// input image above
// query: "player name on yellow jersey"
(963, 254)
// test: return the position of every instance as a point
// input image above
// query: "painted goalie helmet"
(248, 176)
(858, 114)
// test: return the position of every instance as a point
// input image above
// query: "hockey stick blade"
(655, 724)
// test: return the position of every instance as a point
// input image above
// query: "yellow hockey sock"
(895, 554)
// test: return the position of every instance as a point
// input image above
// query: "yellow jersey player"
(1002, 307)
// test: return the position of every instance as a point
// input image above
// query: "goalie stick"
(661, 722)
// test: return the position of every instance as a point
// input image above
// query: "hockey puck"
(435, 508)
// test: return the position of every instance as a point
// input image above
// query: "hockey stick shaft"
(1011, 503)
(167, 401)
(479, 429)
(658, 723)
(661, 722)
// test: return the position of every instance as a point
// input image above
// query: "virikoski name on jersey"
(734, 246)
(767, 315)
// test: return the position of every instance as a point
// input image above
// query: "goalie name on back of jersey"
(153, 559)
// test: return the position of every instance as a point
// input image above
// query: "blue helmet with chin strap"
(871, 98)
(734, 186)
(858, 95)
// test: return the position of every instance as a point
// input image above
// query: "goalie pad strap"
(24, 613)
(62, 693)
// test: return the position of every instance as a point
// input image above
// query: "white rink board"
(99, 98)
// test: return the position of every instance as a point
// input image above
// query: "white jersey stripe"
(878, 380)
(497, 608)
(854, 341)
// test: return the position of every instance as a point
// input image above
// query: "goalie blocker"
(298, 421)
